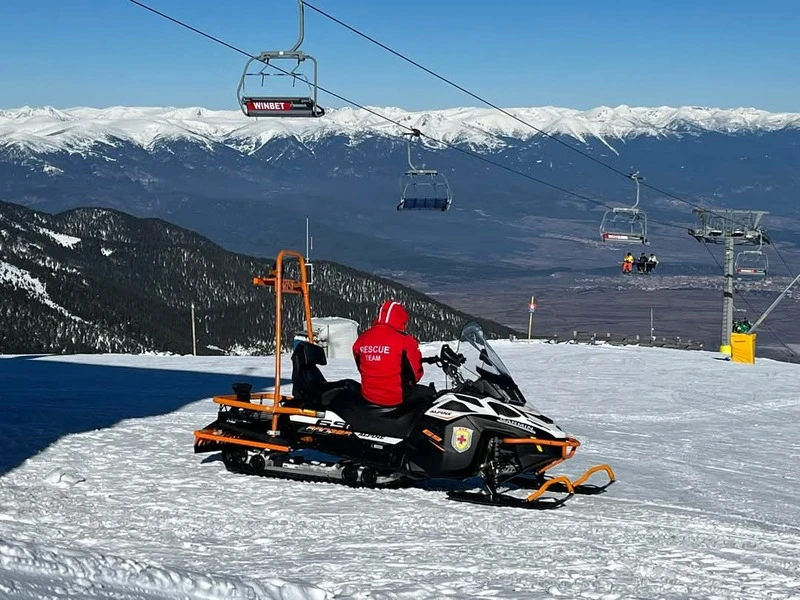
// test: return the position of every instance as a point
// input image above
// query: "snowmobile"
(479, 430)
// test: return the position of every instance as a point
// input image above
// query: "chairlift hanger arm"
(276, 106)
(636, 178)
(415, 133)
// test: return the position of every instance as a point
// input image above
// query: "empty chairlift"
(423, 189)
(751, 263)
(626, 225)
(288, 105)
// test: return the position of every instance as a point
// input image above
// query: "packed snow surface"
(47, 129)
(101, 495)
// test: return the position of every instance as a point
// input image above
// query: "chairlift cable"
(505, 112)
(466, 152)
(389, 119)
(398, 123)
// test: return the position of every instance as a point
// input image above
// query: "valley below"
(682, 306)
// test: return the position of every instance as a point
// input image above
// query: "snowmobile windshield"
(483, 363)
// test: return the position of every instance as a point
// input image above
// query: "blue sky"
(573, 53)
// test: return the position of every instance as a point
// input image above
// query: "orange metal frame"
(282, 285)
(203, 434)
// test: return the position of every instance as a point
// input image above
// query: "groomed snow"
(102, 496)
(47, 129)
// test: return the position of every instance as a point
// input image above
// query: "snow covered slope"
(48, 129)
(706, 503)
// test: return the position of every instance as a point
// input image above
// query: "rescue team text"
(373, 349)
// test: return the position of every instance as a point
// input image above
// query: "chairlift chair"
(423, 189)
(280, 106)
(625, 224)
(751, 263)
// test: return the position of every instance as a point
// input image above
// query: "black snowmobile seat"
(309, 386)
(307, 379)
(367, 417)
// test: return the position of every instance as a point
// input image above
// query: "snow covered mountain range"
(521, 200)
(48, 129)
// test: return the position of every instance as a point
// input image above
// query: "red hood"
(393, 314)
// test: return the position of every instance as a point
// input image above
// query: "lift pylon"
(729, 227)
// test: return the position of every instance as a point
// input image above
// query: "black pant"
(418, 393)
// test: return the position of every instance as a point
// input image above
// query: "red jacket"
(388, 359)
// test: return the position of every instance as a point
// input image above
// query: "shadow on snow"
(43, 400)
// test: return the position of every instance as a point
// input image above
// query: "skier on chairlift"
(641, 263)
(652, 263)
(627, 263)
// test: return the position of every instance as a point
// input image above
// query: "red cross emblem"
(462, 439)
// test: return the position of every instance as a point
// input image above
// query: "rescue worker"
(389, 359)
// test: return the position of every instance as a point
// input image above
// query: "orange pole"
(278, 327)
(289, 286)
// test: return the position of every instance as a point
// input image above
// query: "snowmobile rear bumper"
(212, 439)
(217, 434)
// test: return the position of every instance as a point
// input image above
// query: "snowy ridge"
(47, 129)
(32, 286)
(68, 241)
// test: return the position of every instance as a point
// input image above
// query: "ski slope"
(102, 497)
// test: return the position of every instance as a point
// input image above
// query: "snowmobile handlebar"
(449, 361)
(446, 357)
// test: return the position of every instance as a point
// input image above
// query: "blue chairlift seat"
(424, 190)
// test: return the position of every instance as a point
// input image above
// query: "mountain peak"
(47, 128)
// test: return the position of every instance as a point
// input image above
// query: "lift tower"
(729, 227)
